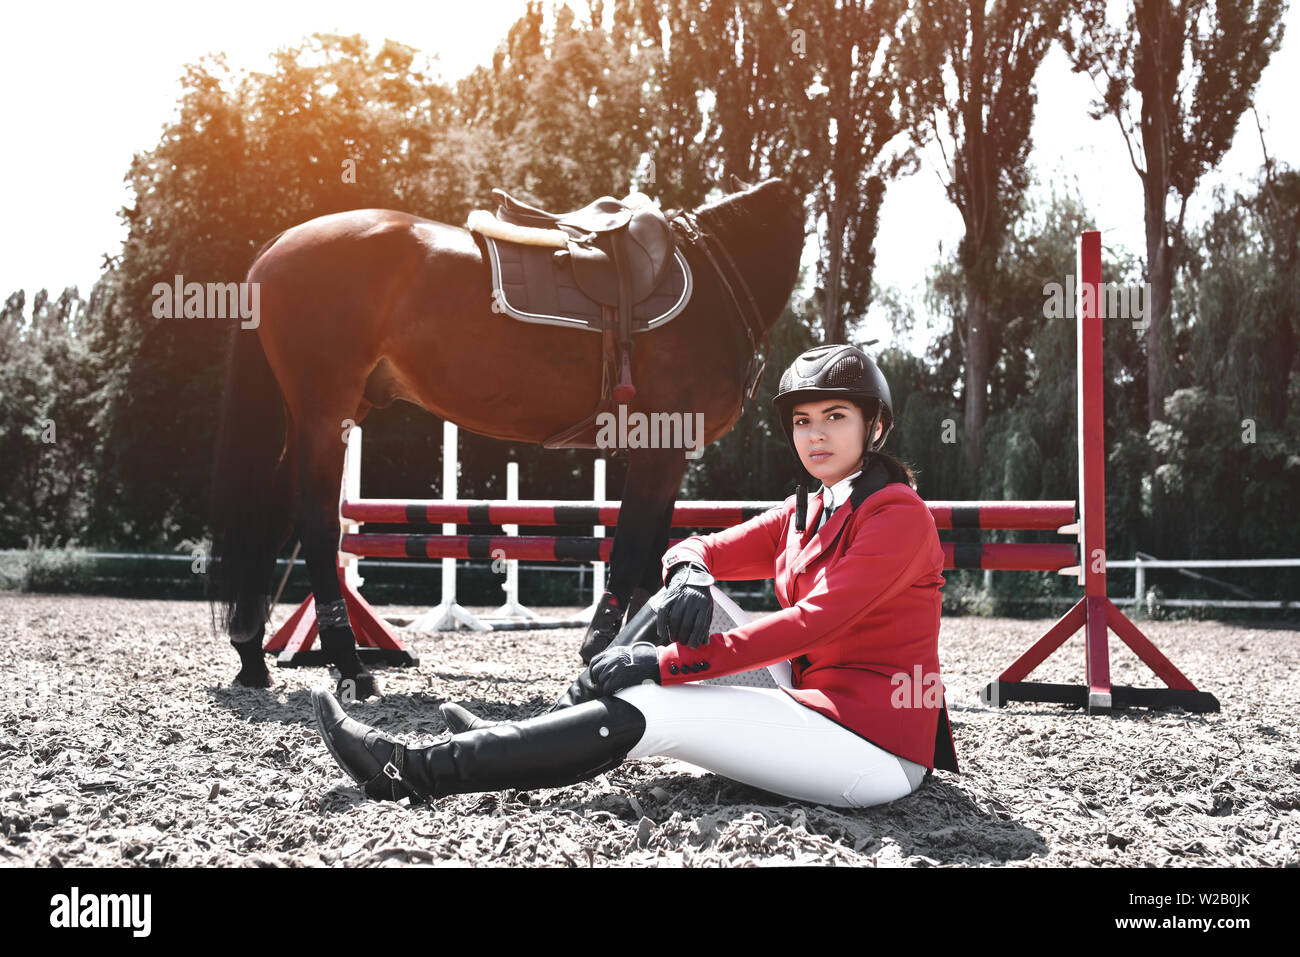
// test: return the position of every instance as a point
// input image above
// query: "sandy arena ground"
(122, 742)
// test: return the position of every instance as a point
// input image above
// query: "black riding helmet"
(827, 372)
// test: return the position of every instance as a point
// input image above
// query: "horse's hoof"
(603, 628)
(364, 685)
(252, 664)
(251, 677)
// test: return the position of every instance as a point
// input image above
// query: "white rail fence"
(1142, 562)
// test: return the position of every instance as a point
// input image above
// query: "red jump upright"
(1094, 612)
(377, 643)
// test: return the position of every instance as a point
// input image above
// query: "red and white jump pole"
(511, 608)
(449, 614)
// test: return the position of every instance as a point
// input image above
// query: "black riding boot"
(642, 627)
(551, 750)
(604, 623)
(639, 597)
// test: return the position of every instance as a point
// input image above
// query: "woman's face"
(829, 435)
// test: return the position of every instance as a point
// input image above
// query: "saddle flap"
(652, 238)
(645, 250)
(594, 272)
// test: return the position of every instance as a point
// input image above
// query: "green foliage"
(39, 568)
(976, 64)
(1229, 435)
(47, 443)
(1030, 439)
(245, 158)
(852, 127)
(1194, 67)
(564, 114)
(1241, 493)
(1242, 294)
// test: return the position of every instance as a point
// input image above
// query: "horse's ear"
(738, 185)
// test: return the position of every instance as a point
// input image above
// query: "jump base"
(368, 656)
(376, 642)
(999, 693)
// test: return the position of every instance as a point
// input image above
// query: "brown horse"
(362, 308)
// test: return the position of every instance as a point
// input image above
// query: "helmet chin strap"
(871, 435)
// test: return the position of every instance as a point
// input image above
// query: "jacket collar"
(839, 492)
(808, 549)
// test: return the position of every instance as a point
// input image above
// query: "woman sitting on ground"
(846, 725)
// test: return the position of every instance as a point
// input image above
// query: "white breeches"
(764, 738)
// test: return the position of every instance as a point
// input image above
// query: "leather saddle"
(610, 243)
(611, 267)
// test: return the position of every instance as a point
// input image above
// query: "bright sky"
(89, 84)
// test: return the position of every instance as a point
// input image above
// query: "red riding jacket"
(859, 621)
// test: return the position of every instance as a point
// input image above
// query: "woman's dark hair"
(898, 472)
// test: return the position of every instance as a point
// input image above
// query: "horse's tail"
(249, 508)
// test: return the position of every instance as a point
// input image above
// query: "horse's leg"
(652, 574)
(320, 468)
(653, 478)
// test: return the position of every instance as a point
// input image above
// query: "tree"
(859, 130)
(1030, 435)
(980, 101)
(565, 110)
(1225, 433)
(47, 445)
(1194, 66)
(728, 85)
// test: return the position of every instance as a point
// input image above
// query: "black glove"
(625, 665)
(687, 609)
